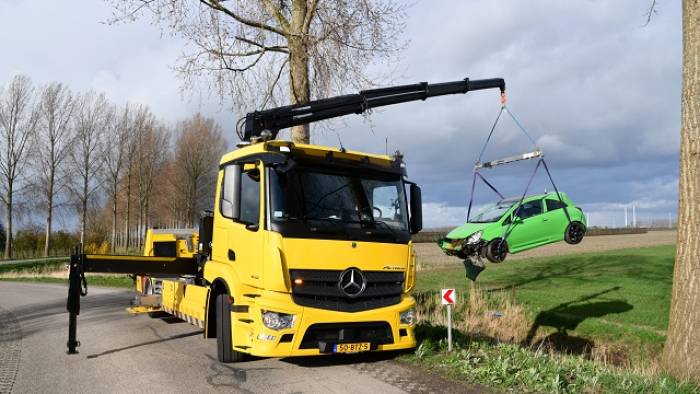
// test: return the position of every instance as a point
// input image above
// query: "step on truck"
(307, 250)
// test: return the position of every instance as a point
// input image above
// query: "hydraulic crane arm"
(275, 119)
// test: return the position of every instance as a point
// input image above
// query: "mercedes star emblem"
(352, 282)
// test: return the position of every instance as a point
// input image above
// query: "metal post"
(449, 328)
(72, 328)
(73, 304)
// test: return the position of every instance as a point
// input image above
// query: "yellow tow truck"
(307, 250)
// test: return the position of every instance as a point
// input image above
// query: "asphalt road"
(125, 353)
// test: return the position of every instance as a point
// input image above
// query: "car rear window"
(554, 204)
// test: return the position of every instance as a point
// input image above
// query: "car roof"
(513, 200)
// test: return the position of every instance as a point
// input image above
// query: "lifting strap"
(537, 153)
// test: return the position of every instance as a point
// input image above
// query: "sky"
(596, 88)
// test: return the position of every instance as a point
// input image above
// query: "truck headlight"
(474, 238)
(277, 320)
(408, 317)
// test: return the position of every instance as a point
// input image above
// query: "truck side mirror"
(416, 209)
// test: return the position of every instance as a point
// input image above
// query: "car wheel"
(224, 337)
(574, 233)
(496, 250)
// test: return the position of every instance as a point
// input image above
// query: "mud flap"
(473, 267)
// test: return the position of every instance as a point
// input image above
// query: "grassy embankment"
(53, 271)
(589, 322)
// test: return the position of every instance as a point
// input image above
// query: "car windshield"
(492, 213)
(338, 201)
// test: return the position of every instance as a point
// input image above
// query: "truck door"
(527, 229)
(241, 210)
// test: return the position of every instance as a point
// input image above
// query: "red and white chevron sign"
(448, 296)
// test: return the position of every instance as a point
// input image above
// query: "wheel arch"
(218, 286)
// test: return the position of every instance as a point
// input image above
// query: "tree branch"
(274, 11)
(650, 12)
(276, 48)
(310, 14)
(215, 5)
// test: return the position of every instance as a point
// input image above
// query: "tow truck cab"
(312, 247)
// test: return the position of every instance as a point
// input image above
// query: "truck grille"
(319, 289)
(323, 336)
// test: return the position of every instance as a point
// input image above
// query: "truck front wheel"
(224, 337)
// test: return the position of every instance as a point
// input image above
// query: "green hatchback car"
(539, 220)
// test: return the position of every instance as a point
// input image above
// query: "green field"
(618, 295)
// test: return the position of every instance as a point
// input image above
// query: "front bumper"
(460, 248)
(315, 331)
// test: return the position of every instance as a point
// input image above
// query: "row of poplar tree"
(116, 168)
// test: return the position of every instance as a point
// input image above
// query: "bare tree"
(93, 114)
(682, 350)
(152, 149)
(18, 122)
(51, 147)
(259, 52)
(141, 118)
(198, 148)
(115, 155)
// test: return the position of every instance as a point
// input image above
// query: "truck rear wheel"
(224, 337)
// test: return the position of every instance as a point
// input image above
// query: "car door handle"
(231, 255)
(544, 220)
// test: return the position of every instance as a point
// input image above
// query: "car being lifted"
(511, 226)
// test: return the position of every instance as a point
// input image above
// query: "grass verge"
(97, 280)
(34, 267)
(516, 369)
(583, 323)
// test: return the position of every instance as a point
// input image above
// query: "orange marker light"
(298, 281)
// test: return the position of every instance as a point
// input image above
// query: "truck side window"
(250, 196)
(227, 192)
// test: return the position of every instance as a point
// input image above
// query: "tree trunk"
(682, 350)
(49, 211)
(47, 240)
(299, 83)
(127, 223)
(114, 217)
(8, 238)
(84, 202)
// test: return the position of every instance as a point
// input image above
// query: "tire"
(224, 337)
(574, 233)
(497, 250)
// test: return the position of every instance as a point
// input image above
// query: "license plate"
(351, 347)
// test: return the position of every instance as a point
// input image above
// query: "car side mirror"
(416, 209)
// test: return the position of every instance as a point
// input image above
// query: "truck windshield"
(343, 203)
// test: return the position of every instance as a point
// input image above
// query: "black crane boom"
(275, 119)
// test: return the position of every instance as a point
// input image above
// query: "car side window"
(554, 204)
(250, 196)
(529, 209)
